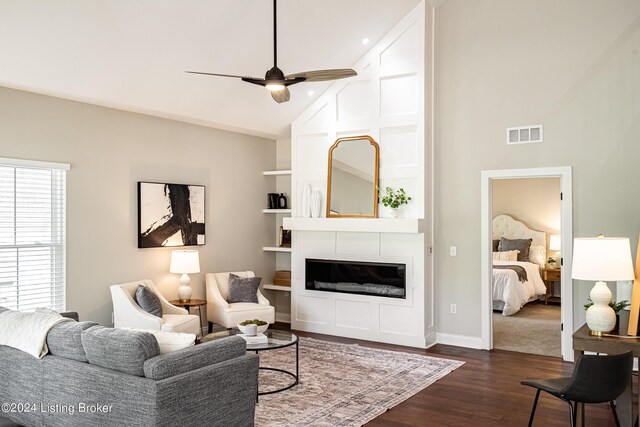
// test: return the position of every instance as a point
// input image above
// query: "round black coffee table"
(275, 339)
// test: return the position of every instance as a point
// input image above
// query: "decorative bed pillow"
(521, 245)
(538, 255)
(243, 289)
(506, 256)
(148, 301)
(496, 245)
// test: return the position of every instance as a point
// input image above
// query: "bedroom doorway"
(525, 307)
(526, 293)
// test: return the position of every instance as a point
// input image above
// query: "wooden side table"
(192, 303)
(550, 277)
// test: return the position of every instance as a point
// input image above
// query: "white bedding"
(515, 294)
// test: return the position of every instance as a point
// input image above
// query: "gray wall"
(109, 151)
(573, 66)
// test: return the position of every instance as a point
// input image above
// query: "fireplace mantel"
(362, 225)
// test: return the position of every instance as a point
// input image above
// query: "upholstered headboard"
(509, 228)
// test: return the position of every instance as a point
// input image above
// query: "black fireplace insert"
(356, 277)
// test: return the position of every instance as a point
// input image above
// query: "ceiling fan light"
(275, 87)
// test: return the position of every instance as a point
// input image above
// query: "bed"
(511, 291)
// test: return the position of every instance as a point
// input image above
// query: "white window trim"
(34, 164)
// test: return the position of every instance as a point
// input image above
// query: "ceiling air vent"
(524, 134)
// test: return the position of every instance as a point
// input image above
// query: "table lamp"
(184, 262)
(601, 259)
(555, 243)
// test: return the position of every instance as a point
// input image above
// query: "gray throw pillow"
(148, 301)
(496, 244)
(65, 340)
(243, 289)
(521, 245)
(119, 349)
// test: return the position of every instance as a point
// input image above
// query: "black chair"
(595, 379)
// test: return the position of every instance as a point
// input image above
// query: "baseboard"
(283, 317)
(459, 340)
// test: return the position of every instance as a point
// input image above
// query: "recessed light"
(310, 93)
(365, 41)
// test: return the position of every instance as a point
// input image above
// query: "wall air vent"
(524, 134)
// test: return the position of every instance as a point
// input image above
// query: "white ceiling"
(132, 54)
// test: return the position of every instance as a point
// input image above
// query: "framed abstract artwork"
(170, 215)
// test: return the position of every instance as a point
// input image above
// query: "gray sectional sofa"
(97, 376)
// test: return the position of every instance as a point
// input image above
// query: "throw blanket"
(520, 271)
(28, 331)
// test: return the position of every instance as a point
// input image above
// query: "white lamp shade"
(602, 259)
(554, 243)
(186, 261)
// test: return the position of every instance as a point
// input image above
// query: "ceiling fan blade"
(324, 75)
(281, 96)
(222, 75)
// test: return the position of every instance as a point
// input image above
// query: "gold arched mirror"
(352, 180)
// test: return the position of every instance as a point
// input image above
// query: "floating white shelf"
(276, 211)
(275, 249)
(277, 172)
(362, 225)
(277, 287)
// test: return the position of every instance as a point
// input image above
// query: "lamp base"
(596, 333)
(184, 292)
(600, 317)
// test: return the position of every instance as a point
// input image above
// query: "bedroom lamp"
(184, 262)
(555, 245)
(601, 259)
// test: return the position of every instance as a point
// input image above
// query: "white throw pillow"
(506, 255)
(173, 341)
(170, 341)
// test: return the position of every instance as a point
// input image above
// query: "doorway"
(525, 239)
(488, 179)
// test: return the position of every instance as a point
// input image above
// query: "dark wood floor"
(485, 391)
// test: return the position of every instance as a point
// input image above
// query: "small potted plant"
(551, 263)
(393, 199)
(616, 306)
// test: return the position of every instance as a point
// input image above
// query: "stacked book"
(255, 339)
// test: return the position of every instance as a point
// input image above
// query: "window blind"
(32, 236)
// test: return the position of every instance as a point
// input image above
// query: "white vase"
(316, 202)
(395, 212)
(306, 202)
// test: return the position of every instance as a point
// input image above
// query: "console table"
(582, 342)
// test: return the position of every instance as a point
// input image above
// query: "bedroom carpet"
(534, 329)
(342, 384)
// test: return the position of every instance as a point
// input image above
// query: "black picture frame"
(171, 214)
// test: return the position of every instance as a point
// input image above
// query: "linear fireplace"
(356, 277)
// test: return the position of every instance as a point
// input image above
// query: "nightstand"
(550, 278)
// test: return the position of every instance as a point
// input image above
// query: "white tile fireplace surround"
(375, 318)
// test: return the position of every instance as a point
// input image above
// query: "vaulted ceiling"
(132, 55)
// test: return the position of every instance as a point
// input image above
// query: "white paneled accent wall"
(385, 101)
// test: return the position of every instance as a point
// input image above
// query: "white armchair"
(128, 314)
(230, 314)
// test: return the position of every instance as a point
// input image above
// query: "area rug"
(535, 329)
(342, 384)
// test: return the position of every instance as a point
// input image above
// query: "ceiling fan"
(276, 81)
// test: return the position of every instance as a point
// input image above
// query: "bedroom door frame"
(566, 230)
